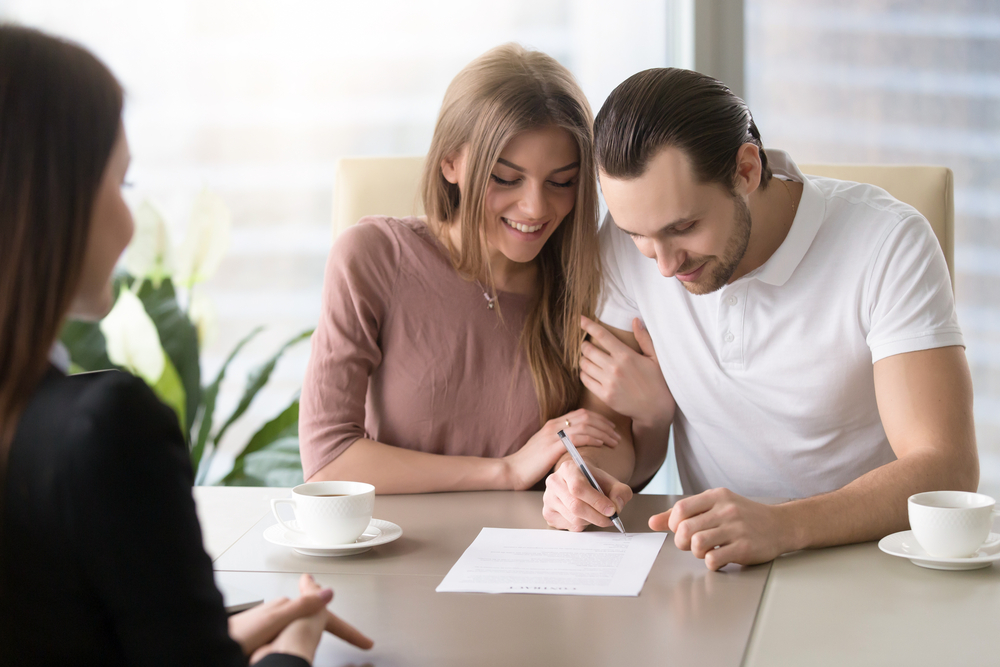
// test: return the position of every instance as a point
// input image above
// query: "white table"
(848, 605)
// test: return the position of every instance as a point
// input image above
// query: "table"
(846, 605)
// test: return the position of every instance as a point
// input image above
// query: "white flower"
(149, 254)
(204, 317)
(132, 340)
(206, 241)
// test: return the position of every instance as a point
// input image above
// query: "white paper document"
(554, 562)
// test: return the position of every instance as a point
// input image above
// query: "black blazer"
(102, 558)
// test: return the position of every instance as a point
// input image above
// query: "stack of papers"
(551, 562)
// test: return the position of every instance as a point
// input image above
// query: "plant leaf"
(170, 390)
(132, 339)
(203, 316)
(278, 464)
(86, 345)
(88, 350)
(256, 380)
(206, 241)
(180, 341)
(209, 396)
(285, 425)
(148, 255)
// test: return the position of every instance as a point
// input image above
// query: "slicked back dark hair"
(674, 107)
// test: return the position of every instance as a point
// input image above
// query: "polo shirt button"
(732, 300)
(730, 337)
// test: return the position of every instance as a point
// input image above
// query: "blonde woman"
(447, 353)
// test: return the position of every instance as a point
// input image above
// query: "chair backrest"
(928, 189)
(388, 186)
(376, 186)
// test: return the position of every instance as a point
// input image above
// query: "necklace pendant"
(490, 304)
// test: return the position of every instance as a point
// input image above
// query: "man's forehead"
(668, 174)
(669, 167)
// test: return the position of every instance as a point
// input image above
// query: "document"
(554, 562)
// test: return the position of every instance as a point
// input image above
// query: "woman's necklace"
(490, 300)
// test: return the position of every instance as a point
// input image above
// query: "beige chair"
(388, 185)
(376, 186)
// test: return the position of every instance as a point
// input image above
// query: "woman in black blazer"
(101, 558)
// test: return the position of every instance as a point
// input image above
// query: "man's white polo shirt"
(773, 373)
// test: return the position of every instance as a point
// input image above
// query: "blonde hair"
(497, 96)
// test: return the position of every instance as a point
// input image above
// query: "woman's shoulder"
(382, 236)
(376, 250)
(108, 411)
(108, 391)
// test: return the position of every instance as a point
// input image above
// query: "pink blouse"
(409, 354)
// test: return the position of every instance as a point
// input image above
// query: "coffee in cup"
(951, 524)
(329, 513)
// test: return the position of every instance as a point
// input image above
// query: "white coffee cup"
(951, 524)
(329, 513)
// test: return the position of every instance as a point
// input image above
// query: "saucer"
(378, 532)
(905, 545)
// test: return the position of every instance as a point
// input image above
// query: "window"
(912, 82)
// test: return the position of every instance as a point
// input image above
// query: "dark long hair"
(680, 108)
(60, 110)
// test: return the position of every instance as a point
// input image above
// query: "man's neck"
(772, 211)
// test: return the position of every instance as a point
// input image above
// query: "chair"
(388, 185)
(376, 186)
(930, 190)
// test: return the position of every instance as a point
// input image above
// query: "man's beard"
(723, 268)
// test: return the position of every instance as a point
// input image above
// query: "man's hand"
(629, 382)
(722, 527)
(571, 503)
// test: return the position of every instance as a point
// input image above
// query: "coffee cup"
(329, 513)
(951, 524)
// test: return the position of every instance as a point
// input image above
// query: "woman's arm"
(396, 470)
(131, 519)
(358, 288)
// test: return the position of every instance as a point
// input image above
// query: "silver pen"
(568, 444)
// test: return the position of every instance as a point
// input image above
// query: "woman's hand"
(292, 626)
(532, 462)
(629, 382)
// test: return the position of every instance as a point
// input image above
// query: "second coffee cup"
(329, 513)
(951, 524)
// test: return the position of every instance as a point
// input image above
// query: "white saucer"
(905, 545)
(378, 532)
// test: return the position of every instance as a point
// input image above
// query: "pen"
(568, 444)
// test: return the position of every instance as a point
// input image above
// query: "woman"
(101, 560)
(445, 342)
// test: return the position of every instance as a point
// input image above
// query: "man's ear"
(453, 166)
(748, 169)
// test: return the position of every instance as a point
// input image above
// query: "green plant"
(156, 330)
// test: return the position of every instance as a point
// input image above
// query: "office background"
(257, 99)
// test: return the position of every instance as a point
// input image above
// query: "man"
(805, 329)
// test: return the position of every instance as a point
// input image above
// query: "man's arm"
(622, 381)
(925, 403)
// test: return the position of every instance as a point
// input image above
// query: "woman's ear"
(453, 166)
